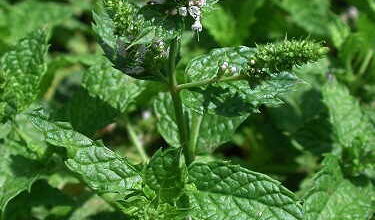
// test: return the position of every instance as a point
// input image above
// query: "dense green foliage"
(187, 109)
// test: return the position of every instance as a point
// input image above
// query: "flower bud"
(283, 56)
(197, 26)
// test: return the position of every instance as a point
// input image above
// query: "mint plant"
(56, 160)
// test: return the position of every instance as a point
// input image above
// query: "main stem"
(179, 112)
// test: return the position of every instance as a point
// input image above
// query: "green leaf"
(87, 114)
(354, 131)
(229, 24)
(227, 191)
(222, 26)
(50, 202)
(22, 70)
(17, 173)
(116, 89)
(232, 98)
(334, 197)
(346, 115)
(310, 15)
(213, 130)
(166, 174)
(28, 16)
(304, 117)
(103, 170)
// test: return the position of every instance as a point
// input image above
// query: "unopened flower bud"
(197, 26)
(252, 62)
(183, 11)
(233, 69)
(224, 66)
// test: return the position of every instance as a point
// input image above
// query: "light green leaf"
(222, 26)
(336, 198)
(87, 114)
(103, 170)
(310, 15)
(213, 130)
(346, 115)
(227, 191)
(230, 24)
(232, 98)
(166, 174)
(354, 131)
(22, 70)
(111, 86)
(28, 16)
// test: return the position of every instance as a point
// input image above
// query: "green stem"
(196, 122)
(366, 62)
(135, 141)
(177, 102)
(210, 81)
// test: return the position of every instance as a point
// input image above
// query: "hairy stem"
(135, 141)
(177, 102)
(210, 81)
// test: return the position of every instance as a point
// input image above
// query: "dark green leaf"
(88, 114)
(135, 38)
(17, 173)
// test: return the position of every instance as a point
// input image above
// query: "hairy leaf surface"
(102, 169)
(111, 86)
(231, 192)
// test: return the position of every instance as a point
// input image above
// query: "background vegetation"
(286, 142)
